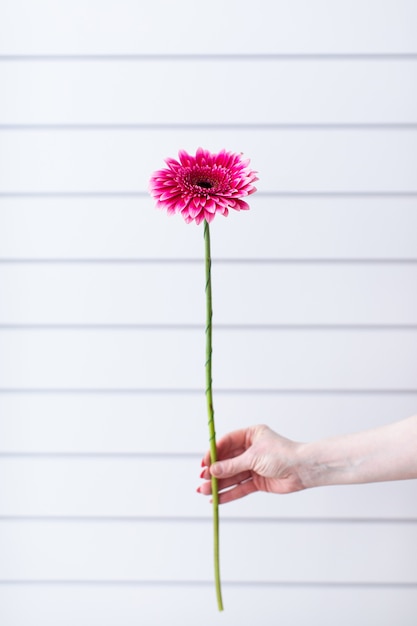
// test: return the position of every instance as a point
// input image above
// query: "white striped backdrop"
(102, 411)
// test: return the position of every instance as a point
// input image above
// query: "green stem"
(210, 413)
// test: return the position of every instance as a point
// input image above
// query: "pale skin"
(258, 459)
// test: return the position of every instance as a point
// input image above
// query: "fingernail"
(202, 463)
(198, 490)
(203, 473)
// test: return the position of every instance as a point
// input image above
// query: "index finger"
(230, 445)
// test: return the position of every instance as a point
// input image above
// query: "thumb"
(230, 467)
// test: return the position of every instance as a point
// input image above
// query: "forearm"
(382, 454)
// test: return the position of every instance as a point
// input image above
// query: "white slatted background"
(102, 412)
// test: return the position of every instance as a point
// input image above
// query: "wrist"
(326, 463)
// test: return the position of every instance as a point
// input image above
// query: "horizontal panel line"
(215, 126)
(218, 326)
(187, 391)
(260, 194)
(215, 261)
(124, 519)
(206, 583)
(75, 194)
(314, 56)
(101, 455)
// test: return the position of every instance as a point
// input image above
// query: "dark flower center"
(206, 184)
(205, 181)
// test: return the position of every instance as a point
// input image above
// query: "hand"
(252, 459)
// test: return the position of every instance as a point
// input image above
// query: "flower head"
(200, 186)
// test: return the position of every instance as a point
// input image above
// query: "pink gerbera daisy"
(200, 186)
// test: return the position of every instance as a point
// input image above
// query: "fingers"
(232, 468)
(231, 488)
(205, 488)
(240, 490)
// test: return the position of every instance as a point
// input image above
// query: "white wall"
(102, 410)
